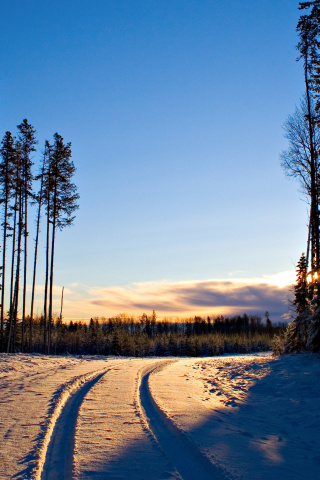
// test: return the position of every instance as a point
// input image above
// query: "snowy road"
(237, 417)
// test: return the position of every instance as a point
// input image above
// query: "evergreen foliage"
(16, 192)
(296, 336)
(145, 336)
(302, 288)
(8, 157)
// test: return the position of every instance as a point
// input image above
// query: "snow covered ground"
(230, 417)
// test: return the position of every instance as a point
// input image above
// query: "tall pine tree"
(26, 142)
(8, 155)
(63, 202)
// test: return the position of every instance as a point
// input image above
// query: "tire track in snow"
(72, 393)
(58, 463)
(189, 461)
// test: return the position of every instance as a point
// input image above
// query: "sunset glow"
(181, 299)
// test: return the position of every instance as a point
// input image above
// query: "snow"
(236, 417)
(32, 391)
(111, 438)
(255, 416)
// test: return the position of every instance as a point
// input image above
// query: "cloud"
(176, 299)
(194, 297)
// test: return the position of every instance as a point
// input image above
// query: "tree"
(26, 143)
(310, 24)
(8, 154)
(301, 161)
(308, 49)
(296, 337)
(297, 163)
(302, 294)
(39, 199)
(16, 249)
(47, 184)
(63, 201)
(59, 195)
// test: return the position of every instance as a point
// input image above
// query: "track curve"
(189, 461)
(58, 464)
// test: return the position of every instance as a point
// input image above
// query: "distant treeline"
(146, 336)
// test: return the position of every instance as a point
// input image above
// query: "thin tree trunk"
(12, 272)
(24, 268)
(15, 302)
(51, 282)
(61, 304)
(308, 243)
(35, 263)
(4, 261)
(13, 247)
(313, 187)
(17, 281)
(52, 258)
(45, 307)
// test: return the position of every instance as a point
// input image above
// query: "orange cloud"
(210, 297)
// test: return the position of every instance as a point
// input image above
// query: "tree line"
(301, 161)
(147, 336)
(55, 198)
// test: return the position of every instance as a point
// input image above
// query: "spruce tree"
(301, 289)
(39, 200)
(47, 185)
(16, 248)
(8, 153)
(297, 333)
(63, 202)
(26, 142)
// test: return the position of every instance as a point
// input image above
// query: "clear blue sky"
(174, 109)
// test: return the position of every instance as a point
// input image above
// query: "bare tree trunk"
(24, 268)
(54, 218)
(51, 282)
(35, 262)
(45, 307)
(314, 213)
(15, 301)
(308, 243)
(13, 248)
(12, 272)
(4, 262)
(17, 280)
(61, 304)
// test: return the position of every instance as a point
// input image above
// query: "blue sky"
(175, 110)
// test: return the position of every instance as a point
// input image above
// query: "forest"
(146, 336)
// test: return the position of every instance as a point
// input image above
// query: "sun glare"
(281, 279)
